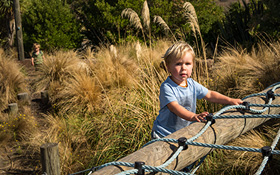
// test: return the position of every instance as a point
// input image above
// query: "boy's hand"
(235, 101)
(200, 117)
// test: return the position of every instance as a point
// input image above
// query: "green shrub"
(50, 23)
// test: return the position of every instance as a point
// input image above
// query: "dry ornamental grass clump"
(240, 73)
(12, 80)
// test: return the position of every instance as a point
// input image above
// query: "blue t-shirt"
(167, 122)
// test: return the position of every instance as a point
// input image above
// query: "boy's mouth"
(184, 75)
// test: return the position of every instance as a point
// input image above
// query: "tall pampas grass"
(162, 23)
(189, 12)
(134, 19)
(146, 19)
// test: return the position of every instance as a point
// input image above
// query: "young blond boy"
(179, 92)
(37, 57)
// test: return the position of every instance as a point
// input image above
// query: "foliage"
(6, 15)
(269, 21)
(102, 19)
(246, 22)
(51, 24)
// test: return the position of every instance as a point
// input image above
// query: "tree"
(52, 24)
(7, 31)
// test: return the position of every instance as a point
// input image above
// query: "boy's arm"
(184, 113)
(32, 61)
(216, 97)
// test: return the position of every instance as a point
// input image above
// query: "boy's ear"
(163, 66)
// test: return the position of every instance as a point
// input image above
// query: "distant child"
(179, 92)
(37, 57)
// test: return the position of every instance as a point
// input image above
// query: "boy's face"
(36, 49)
(181, 69)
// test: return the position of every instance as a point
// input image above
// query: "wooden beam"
(223, 131)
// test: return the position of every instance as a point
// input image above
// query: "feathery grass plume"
(161, 22)
(138, 50)
(134, 19)
(113, 51)
(12, 80)
(146, 15)
(189, 12)
(146, 19)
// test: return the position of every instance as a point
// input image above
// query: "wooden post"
(219, 133)
(18, 30)
(50, 158)
(23, 97)
(45, 97)
(12, 108)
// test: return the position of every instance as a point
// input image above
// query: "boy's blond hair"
(177, 51)
(36, 45)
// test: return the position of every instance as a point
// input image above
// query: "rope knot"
(182, 142)
(209, 117)
(139, 167)
(266, 151)
(270, 94)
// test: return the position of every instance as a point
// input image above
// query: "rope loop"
(247, 105)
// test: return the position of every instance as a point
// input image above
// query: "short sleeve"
(166, 95)
(200, 90)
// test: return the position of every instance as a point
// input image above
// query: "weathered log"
(223, 131)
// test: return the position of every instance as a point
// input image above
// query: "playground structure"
(223, 126)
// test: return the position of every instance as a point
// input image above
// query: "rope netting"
(267, 151)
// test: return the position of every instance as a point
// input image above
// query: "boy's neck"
(181, 84)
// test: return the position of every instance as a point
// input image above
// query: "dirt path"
(11, 161)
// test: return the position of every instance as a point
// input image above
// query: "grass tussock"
(57, 69)
(14, 128)
(241, 73)
(12, 80)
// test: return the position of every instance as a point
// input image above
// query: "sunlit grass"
(240, 73)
